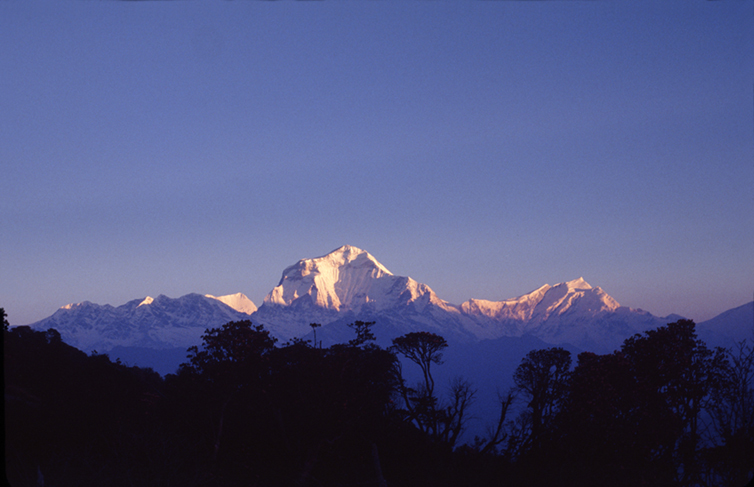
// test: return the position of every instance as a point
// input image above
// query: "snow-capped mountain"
(238, 302)
(488, 338)
(350, 284)
(570, 312)
(159, 323)
(729, 328)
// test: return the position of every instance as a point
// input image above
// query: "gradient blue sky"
(482, 148)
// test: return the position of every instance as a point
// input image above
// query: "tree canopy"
(244, 410)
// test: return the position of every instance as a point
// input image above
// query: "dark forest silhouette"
(244, 410)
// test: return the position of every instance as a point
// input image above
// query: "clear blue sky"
(482, 148)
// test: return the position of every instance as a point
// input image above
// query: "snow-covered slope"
(729, 328)
(570, 312)
(341, 279)
(349, 283)
(238, 302)
(160, 322)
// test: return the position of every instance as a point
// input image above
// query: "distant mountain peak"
(238, 302)
(574, 295)
(576, 284)
(550, 312)
(161, 322)
(350, 255)
(332, 281)
(82, 304)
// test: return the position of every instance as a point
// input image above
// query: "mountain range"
(158, 323)
(349, 284)
(487, 339)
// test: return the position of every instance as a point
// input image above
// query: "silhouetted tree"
(232, 352)
(732, 414)
(677, 374)
(453, 417)
(363, 333)
(633, 417)
(443, 422)
(606, 426)
(232, 357)
(424, 349)
(77, 420)
(542, 380)
(498, 434)
(330, 406)
(294, 414)
(243, 411)
(314, 327)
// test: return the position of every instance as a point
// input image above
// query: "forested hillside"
(244, 410)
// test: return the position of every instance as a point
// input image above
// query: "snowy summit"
(341, 279)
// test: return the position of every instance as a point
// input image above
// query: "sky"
(482, 148)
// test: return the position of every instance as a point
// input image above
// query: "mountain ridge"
(349, 284)
(327, 288)
(160, 322)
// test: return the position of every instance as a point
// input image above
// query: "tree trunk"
(377, 467)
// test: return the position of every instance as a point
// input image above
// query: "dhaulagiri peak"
(329, 266)
(348, 255)
(333, 280)
(579, 283)
(349, 275)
